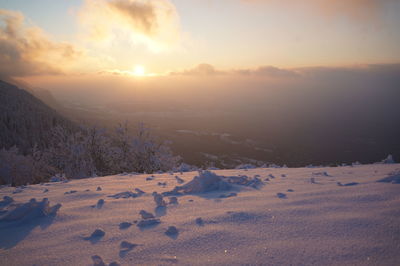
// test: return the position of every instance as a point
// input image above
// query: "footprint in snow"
(159, 200)
(281, 195)
(172, 232)
(160, 211)
(95, 236)
(99, 204)
(162, 184)
(312, 180)
(179, 180)
(70, 192)
(199, 221)
(233, 194)
(125, 247)
(148, 223)
(146, 215)
(393, 179)
(173, 200)
(124, 225)
(17, 190)
(139, 191)
(6, 201)
(98, 261)
(347, 184)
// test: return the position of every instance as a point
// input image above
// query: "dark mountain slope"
(25, 120)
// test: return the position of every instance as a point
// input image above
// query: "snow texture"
(314, 224)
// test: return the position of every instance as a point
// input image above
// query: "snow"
(388, 160)
(26, 212)
(146, 215)
(315, 223)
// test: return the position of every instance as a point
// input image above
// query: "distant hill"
(24, 119)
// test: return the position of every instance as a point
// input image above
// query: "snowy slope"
(313, 221)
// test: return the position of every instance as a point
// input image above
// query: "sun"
(139, 71)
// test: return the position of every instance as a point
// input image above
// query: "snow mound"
(124, 225)
(172, 231)
(139, 191)
(6, 201)
(98, 261)
(99, 204)
(183, 167)
(148, 222)
(242, 217)
(159, 200)
(347, 184)
(125, 247)
(58, 178)
(124, 195)
(173, 200)
(394, 179)
(146, 215)
(246, 166)
(389, 160)
(179, 180)
(30, 210)
(208, 181)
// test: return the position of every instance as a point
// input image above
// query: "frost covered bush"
(17, 169)
(94, 151)
(140, 152)
(88, 152)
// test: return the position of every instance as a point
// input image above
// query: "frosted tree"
(15, 169)
(88, 152)
(149, 154)
(70, 154)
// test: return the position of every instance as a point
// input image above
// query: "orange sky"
(160, 37)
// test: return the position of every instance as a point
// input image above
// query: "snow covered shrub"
(141, 152)
(93, 151)
(17, 169)
(69, 153)
(88, 152)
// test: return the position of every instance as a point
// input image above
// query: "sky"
(179, 37)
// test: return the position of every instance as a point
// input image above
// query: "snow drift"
(30, 210)
(208, 181)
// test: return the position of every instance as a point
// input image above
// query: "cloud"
(141, 15)
(353, 9)
(154, 23)
(268, 71)
(262, 71)
(26, 50)
(199, 70)
(334, 75)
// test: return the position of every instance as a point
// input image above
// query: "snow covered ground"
(300, 216)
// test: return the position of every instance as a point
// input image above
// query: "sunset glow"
(139, 71)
